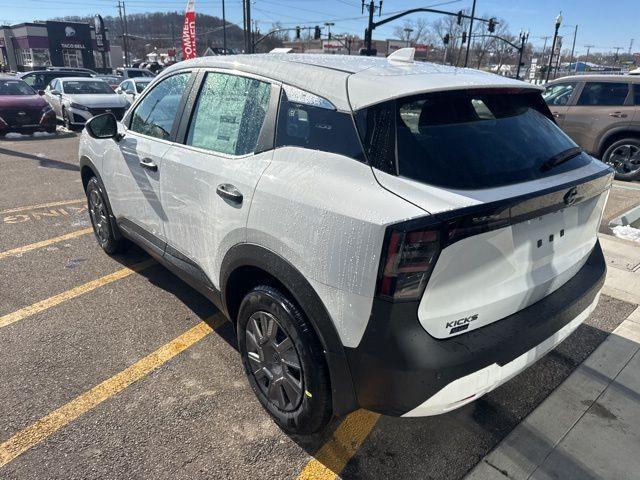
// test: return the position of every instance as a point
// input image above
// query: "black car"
(38, 80)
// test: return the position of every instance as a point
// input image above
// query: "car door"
(55, 100)
(209, 179)
(558, 97)
(134, 176)
(601, 105)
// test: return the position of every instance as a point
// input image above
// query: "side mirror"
(40, 92)
(55, 92)
(102, 126)
(118, 90)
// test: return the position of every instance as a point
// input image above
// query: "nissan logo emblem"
(570, 196)
(22, 114)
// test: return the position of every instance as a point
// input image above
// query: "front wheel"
(624, 157)
(99, 215)
(284, 361)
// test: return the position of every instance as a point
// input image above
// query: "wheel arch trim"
(626, 129)
(252, 255)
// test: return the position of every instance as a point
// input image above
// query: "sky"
(606, 24)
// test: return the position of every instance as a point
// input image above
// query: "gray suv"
(601, 113)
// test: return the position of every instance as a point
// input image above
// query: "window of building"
(72, 58)
(24, 57)
(41, 57)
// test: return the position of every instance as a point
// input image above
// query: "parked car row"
(35, 101)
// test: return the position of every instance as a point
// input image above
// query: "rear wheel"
(99, 215)
(284, 361)
(624, 157)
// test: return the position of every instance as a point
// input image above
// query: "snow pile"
(43, 134)
(15, 135)
(627, 232)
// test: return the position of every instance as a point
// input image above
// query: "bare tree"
(420, 31)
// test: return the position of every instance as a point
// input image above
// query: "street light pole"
(573, 48)
(524, 36)
(553, 46)
(408, 30)
(473, 14)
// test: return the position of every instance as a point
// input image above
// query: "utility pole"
(586, 60)
(553, 46)
(408, 31)
(248, 37)
(573, 48)
(126, 32)
(630, 46)
(125, 41)
(473, 14)
(615, 58)
(369, 30)
(224, 29)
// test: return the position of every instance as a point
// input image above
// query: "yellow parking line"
(333, 456)
(44, 243)
(47, 303)
(48, 425)
(43, 205)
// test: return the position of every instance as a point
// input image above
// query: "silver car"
(132, 88)
(76, 99)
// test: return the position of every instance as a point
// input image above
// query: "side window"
(29, 80)
(603, 94)
(56, 85)
(154, 116)
(305, 121)
(558, 95)
(229, 114)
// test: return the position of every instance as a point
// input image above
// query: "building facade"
(37, 45)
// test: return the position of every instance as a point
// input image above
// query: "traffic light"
(492, 25)
(460, 17)
(297, 33)
(446, 39)
(316, 33)
(464, 37)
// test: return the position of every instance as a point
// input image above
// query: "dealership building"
(37, 45)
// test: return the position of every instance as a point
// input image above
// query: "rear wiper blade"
(559, 158)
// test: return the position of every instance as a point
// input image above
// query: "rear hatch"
(515, 204)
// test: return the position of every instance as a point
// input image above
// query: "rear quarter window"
(316, 128)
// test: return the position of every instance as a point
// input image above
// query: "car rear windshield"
(467, 139)
(87, 87)
(15, 87)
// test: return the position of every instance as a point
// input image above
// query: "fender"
(631, 129)
(86, 162)
(252, 255)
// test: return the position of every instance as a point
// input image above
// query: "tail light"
(407, 262)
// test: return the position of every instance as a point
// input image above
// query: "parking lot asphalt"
(111, 367)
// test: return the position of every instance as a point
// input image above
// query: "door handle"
(148, 164)
(557, 115)
(229, 192)
(618, 115)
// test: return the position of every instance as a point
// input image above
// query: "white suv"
(397, 236)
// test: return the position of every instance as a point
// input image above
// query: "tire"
(110, 241)
(284, 361)
(51, 130)
(624, 157)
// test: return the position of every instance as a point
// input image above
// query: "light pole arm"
(418, 10)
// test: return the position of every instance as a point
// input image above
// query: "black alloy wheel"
(99, 215)
(284, 361)
(624, 157)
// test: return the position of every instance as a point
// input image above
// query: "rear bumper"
(399, 369)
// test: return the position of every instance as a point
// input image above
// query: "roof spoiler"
(404, 55)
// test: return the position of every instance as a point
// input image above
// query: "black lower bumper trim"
(398, 365)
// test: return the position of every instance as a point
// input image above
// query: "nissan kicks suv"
(396, 236)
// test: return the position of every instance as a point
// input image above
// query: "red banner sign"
(189, 31)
